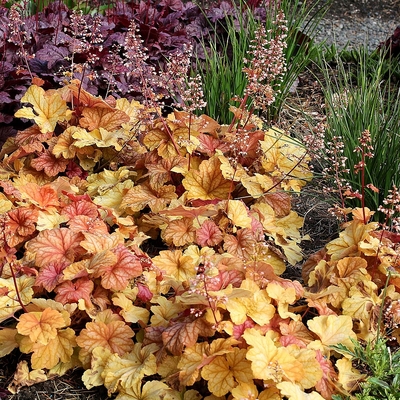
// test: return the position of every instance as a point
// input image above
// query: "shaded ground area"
(349, 9)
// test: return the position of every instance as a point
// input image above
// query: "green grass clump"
(361, 94)
(223, 65)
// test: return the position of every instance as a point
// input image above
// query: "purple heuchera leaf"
(52, 54)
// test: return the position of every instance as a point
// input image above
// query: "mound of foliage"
(149, 253)
(148, 249)
(58, 44)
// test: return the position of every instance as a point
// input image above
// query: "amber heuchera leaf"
(100, 117)
(124, 372)
(115, 336)
(48, 109)
(20, 224)
(41, 327)
(181, 334)
(143, 195)
(117, 276)
(174, 263)
(207, 183)
(55, 245)
(9, 301)
(7, 341)
(180, 232)
(48, 163)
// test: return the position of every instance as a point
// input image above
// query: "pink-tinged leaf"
(238, 330)
(117, 276)
(225, 278)
(72, 292)
(209, 234)
(83, 223)
(55, 245)
(144, 293)
(242, 245)
(49, 163)
(81, 207)
(77, 197)
(50, 276)
(208, 144)
(326, 385)
(285, 341)
(74, 169)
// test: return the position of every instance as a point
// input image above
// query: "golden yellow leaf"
(284, 297)
(349, 377)
(312, 368)
(285, 158)
(9, 303)
(223, 372)
(230, 173)
(347, 244)
(24, 377)
(48, 108)
(123, 372)
(100, 138)
(65, 143)
(165, 311)
(41, 327)
(254, 303)
(238, 214)
(272, 393)
(151, 390)
(159, 139)
(130, 312)
(269, 361)
(362, 302)
(181, 267)
(244, 391)
(190, 363)
(133, 109)
(207, 183)
(333, 329)
(93, 376)
(58, 349)
(257, 185)
(95, 243)
(7, 341)
(143, 195)
(294, 392)
(5, 204)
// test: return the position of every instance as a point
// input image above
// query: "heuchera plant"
(148, 250)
